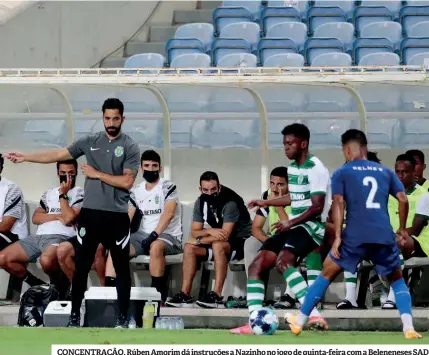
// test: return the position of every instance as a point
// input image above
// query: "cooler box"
(101, 308)
(57, 314)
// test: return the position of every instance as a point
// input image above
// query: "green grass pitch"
(38, 341)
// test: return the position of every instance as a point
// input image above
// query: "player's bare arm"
(419, 222)
(338, 219)
(258, 228)
(124, 181)
(282, 201)
(166, 216)
(40, 216)
(6, 224)
(50, 156)
(403, 212)
(197, 230)
(68, 213)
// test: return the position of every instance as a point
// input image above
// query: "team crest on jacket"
(119, 151)
(157, 199)
(82, 232)
(300, 179)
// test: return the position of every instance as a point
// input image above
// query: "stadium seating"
(202, 31)
(248, 31)
(268, 47)
(295, 31)
(344, 31)
(271, 16)
(225, 46)
(145, 60)
(320, 15)
(364, 46)
(317, 46)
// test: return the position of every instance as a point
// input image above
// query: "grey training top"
(230, 214)
(110, 157)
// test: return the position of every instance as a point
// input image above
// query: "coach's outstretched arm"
(282, 201)
(47, 157)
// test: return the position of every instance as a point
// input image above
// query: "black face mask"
(210, 199)
(63, 178)
(150, 176)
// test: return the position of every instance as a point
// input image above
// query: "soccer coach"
(112, 164)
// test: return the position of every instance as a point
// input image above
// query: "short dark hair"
(70, 161)
(407, 157)
(209, 175)
(372, 156)
(113, 104)
(417, 153)
(298, 130)
(280, 171)
(354, 135)
(150, 155)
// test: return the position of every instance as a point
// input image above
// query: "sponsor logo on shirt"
(55, 210)
(151, 212)
(297, 197)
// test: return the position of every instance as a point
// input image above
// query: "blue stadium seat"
(316, 46)
(419, 59)
(344, 31)
(225, 46)
(301, 5)
(332, 60)
(346, 5)
(284, 60)
(413, 46)
(175, 47)
(380, 59)
(248, 31)
(271, 16)
(238, 60)
(319, 15)
(393, 5)
(145, 60)
(364, 15)
(268, 47)
(193, 60)
(253, 6)
(386, 29)
(364, 46)
(420, 29)
(223, 16)
(296, 31)
(202, 31)
(410, 15)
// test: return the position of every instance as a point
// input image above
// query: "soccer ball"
(263, 321)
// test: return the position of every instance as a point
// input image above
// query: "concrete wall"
(70, 34)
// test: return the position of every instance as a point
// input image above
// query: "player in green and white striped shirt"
(309, 196)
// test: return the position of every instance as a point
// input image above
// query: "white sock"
(391, 296)
(314, 313)
(301, 319)
(289, 292)
(407, 321)
(350, 281)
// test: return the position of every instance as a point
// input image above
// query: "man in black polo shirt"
(112, 164)
(227, 215)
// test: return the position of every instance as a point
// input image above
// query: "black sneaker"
(179, 300)
(121, 322)
(346, 304)
(211, 300)
(74, 320)
(285, 302)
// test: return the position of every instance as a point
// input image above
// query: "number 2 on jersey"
(372, 182)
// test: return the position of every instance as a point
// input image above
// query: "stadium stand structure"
(373, 26)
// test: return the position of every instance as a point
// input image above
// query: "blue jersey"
(366, 186)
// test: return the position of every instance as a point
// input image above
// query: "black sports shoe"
(180, 299)
(211, 300)
(285, 302)
(121, 322)
(74, 320)
(346, 304)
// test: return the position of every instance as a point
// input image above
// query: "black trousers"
(111, 229)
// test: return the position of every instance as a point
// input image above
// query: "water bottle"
(171, 323)
(277, 292)
(148, 315)
(163, 323)
(132, 323)
(179, 323)
(158, 323)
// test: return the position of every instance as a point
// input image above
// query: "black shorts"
(237, 250)
(297, 241)
(7, 239)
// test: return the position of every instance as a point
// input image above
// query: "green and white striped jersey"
(309, 179)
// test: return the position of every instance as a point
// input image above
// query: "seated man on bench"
(13, 218)
(156, 222)
(56, 215)
(227, 215)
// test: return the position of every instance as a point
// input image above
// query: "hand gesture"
(218, 233)
(282, 226)
(15, 157)
(89, 171)
(335, 250)
(256, 203)
(66, 186)
(401, 237)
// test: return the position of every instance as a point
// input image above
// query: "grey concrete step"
(162, 33)
(136, 47)
(193, 16)
(209, 5)
(113, 63)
